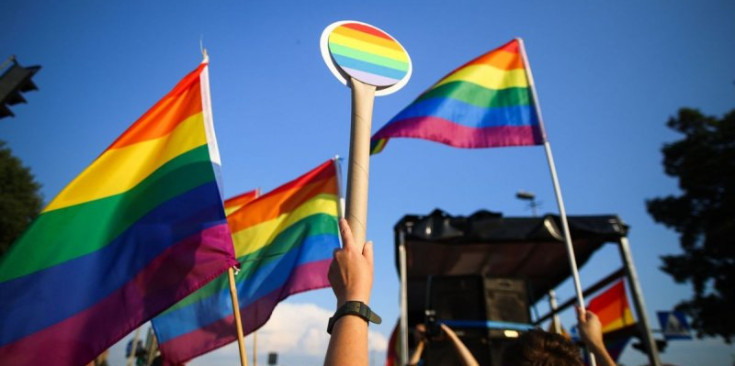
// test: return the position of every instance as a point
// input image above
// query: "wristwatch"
(353, 308)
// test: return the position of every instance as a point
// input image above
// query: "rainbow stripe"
(235, 203)
(368, 54)
(612, 308)
(284, 242)
(139, 229)
(486, 102)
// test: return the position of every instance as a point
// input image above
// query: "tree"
(20, 200)
(704, 217)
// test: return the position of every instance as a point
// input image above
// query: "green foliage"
(704, 217)
(20, 201)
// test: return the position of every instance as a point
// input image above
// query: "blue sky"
(608, 74)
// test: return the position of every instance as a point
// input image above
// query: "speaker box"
(475, 298)
(478, 298)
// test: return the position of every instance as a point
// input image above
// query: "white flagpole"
(557, 189)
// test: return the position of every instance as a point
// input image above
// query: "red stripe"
(180, 103)
(181, 349)
(367, 29)
(180, 270)
(453, 134)
(324, 171)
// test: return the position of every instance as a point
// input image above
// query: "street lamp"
(531, 198)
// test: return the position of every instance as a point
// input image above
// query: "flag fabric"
(234, 203)
(612, 308)
(486, 102)
(139, 229)
(284, 241)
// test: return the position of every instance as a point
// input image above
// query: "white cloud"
(294, 331)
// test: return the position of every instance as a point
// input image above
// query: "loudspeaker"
(507, 301)
(478, 298)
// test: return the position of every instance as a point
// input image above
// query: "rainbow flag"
(612, 308)
(139, 229)
(235, 203)
(486, 102)
(284, 242)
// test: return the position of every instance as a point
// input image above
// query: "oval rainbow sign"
(357, 50)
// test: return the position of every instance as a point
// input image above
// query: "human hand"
(351, 271)
(590, 328)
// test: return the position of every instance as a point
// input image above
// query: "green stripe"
(64, 234)
(284, 242)
(474, 94)
(368, 57)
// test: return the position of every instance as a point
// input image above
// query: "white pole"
(403, 327)
(640, 306)
(557, 189)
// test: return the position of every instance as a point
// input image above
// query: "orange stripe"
(499, 59)
(180, 103)
(270, 206)
(366, 29)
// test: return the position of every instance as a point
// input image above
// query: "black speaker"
(507, 301)
(478, 299)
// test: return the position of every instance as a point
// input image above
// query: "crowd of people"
(351, 278)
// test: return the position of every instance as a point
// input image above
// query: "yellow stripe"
(257, 236)
(627, 319)
(118, 170)
(367, 37)
(368, 47)
(489, 77)
(231, 209)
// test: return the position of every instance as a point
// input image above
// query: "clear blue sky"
(609, 75)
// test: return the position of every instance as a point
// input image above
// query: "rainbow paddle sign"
(365, 53)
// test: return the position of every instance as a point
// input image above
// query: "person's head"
(539, 348)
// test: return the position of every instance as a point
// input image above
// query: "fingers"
(367, 252)
(347, 239)
(581, 314)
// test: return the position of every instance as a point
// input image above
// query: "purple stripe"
(181, 349)
(178, 271)
(370, 78)
(453, 134)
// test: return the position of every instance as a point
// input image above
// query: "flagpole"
(363, 97)
(557, 189)
(238, 319)
(340, 195)
(133, 347)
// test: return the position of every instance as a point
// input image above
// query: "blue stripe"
(469, 115)
(34, 302)
(488, 324)
(356, 64)
(263, 281)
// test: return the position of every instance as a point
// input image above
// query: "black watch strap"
(354, 308)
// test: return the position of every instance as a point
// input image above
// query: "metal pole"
(557, 189)
(403, 328)
(640, 307)
(556, 324)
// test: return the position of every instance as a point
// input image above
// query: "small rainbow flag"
(486, 102)
(368, 54)
(612, 308)
(139, 229)
(284, 242)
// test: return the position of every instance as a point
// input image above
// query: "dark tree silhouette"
(20, 200)
(704, 216)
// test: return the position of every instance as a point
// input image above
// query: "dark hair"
(540, 348)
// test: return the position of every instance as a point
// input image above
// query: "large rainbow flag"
(486, 102)
(139, 229)
(284, 242)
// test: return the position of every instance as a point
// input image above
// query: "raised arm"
(590, 331)
(351, 277)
